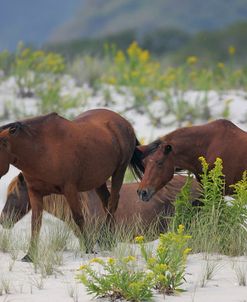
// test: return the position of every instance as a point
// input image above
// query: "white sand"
(24, 283)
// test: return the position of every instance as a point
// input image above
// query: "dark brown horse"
(130, 211)
(66, 157)
(181, 149)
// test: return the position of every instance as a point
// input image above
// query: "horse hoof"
(27, 258)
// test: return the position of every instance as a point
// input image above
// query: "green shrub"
(168, 261)
(219, 225)
(125, 277)
(118, 280)
(31, 68)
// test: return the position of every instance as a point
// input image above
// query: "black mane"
(26, 124)
(151, 148)
(14, 124)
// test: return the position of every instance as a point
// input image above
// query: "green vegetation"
(217, 225)
(30, 67)
(133, 74)
(128, 278)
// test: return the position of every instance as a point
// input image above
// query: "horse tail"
(136, 164)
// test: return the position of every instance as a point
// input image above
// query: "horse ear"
(168, 149)
(142, 148)
(21, 177)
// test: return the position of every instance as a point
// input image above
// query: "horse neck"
(23, 151)
(30, 144)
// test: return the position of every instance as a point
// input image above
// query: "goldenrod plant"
(133, 278)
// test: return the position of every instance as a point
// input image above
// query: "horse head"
(17, 204)
(8, 134)
(159, 168)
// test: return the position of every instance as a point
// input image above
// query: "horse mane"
(13, 187)
(25, 125)
(151, 148)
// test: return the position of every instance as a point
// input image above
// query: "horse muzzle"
(145, 194)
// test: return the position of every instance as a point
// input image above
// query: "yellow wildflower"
(133, 49)
(144, 56)
(134, 73)
(38, 54)
(180, 229)
(151, 261)
(82, 267)
(221, 65)
(231, 50)
(192, 60)
(129, 258)
(161, 249)
(119, 58)
(203, 161)
(161, 278)
(111, 80)
(139, 239)
(218, 160)
(187, 251)
(161, 267)
(142, 140)
(97, 260)
(111, 261)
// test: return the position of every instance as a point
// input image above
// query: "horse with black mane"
(182, 148)
(60, 156)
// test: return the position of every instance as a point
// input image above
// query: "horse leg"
(104, 195)
(107, 238)
(36, 201)
(71, 195)
(117, 181)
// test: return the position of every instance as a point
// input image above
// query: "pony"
(180, 150)
(130, 211)
(60, 156)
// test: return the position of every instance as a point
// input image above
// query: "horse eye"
(12, 130)
(168, 149)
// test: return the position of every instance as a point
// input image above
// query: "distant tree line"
(175, 44)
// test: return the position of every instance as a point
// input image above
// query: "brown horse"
(181, 149)
(66, 157)
(130, 211)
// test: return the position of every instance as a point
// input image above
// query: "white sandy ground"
(22, 279)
